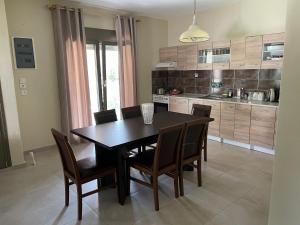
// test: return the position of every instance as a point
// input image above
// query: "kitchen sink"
(214, 97)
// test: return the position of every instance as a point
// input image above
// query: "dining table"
(124, 135)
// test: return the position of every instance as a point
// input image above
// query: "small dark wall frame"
(24, 53)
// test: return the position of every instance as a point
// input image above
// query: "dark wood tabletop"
(123, 132)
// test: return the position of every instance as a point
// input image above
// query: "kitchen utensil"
(272, 95)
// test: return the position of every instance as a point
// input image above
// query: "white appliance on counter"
(161, 103)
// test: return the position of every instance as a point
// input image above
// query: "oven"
(161, 103)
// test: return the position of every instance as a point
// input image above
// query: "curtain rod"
(52, 7)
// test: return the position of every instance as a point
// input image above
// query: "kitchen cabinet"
(254, 48)
(187, 57)
(242, 121)
(262, 129)
(237, 54)
(221, 55)
(205, 55)
(168, 54)
(214, 127)
(273, 50)
(179, 104)
(194, 101)
(227, 120)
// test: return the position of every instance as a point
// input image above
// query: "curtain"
(71, 69)
(125, 31)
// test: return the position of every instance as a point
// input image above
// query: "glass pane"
(93, 78)
(112, 77)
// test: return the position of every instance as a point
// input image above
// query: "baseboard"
(214, 138)
(236, 143)
(263, 150)
(42, 149)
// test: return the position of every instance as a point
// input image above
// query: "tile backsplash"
(216, 81)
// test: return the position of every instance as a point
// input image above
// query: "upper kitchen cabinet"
(273, 49)
(238, 54)
(168, 54)
(187, 57)
(254, 46)
(221, 55)
(205, 55)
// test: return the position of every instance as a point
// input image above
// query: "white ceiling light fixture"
(194, 33)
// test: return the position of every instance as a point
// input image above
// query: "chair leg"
(66, 191)
(176, 185)
(205, 149)
(143, 148)
(139, 149)
(79, 201)
(128, 178)
(199, 173)
(155, 192)
(181, 187)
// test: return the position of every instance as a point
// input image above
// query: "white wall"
(285, 197)
(8, 91)
(248, 17)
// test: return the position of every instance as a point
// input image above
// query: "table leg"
(122, 175)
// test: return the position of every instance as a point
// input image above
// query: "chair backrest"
(201, 110)
(105, 116)
(66, 153)
(168, 147)
(193, 137)
(131, 112)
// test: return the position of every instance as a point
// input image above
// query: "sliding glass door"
(103, 71)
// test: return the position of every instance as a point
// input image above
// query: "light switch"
(24, 92)
(23, 86)
(23, 80)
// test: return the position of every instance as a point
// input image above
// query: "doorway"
(103, 72)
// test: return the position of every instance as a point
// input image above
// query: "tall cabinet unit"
(238, 54)
(273, 49)
(205, 55)
(253, 52)
(168, 54)
(187, 57)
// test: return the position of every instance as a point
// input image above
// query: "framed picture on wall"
(24, 53)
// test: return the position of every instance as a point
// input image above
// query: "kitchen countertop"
(232, 100)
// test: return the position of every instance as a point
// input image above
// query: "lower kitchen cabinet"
(227, 120)
(179, 104)
(214, 127)
(242, 122)
(262, 129)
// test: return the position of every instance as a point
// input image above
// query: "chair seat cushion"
(144, 159)
(89, 167)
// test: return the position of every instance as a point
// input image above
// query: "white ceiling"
(157, 8)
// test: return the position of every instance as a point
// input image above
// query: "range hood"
(166, 66)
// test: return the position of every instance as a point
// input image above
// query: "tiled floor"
(235, 191)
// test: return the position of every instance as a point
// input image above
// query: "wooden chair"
(191, 150)
(162, 160)
(132, 112)
(81, 171)
(105, 116)
(202, 111)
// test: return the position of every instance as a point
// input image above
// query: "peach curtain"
(71, 69)
(126, 38)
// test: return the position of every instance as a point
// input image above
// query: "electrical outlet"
(22, 80)
(23, 86)
(196, 75)
(24, 92)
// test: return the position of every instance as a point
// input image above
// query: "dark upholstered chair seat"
(89, 167)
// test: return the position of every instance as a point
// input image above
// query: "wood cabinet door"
(254, 48)
(194, 101)
(168, 54)
(187, 57)
(242, 123)
(214, 127)
(202, 46)
(238, 53)
(178, 104)
(262, 129)
(221, 65)
(274, 38)
(227, 120)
